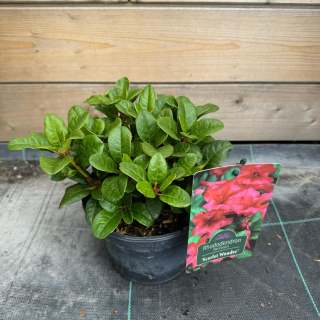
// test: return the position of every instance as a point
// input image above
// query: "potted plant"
(133, 171)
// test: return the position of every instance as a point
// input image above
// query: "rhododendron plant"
(133, 163)
(229, 198)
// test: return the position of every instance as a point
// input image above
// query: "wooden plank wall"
(260, 63)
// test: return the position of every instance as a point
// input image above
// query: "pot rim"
(163, 237)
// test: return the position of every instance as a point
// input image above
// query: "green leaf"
(154, 207)
(108, 206)
(89, 146)
(122, 86)
(189, 137)
(127, 216)
(205, 109)
(134, 94)
(187, 162)
(206, 127)
(146, 125)
(113, 188)
(77, 117)
(178, 171)
(32, 142)
(167, 181)
(109, 126)
(187, 113)
(63, 174)
(76, 134)
(74, 193)
(134, 171)
(160, 138)
(166, 150)
(147, 98)
(37, 134)
(55, 129)
(169, 126)
(130, 187)
(105, 222)
(96, 193)
(119, 143)
(256, 226)
(142, 214)
(123, 106)
(254, 235)
(175, 196)
(158, 169)
(97, 99)
(165, 112)
(216, 152)
(104, 163)
(98, 126)
(54, 165)
(145, 188)
(181, 149)
(148, 149)
(126, 158)
(142, 160)
(171, 101)
(92, 209)
(197, 153)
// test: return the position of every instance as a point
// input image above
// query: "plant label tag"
(228, 206)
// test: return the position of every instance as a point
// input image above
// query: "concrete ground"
(52, 267)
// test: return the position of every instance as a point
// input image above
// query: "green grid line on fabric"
(129, 302)
(290, 248)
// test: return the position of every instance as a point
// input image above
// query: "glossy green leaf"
(142, 160)
(131, 186)
(108, 206)
(89, 146)
(55, 129)
(126, 158)
(142, 214)
(104, 163)
(109, 126)
(205, 109)
(165, 112)
(96, 194)
(63, 174)
(76, 134)
(145, 188)
(77, 117)
(98, 126)
(97, 99)
(160, 138)
(113, 188)
(134, 171)
(106, 222)
(166, 150)
(134, 94)
(169, 126)
(148, 149)
(92, 209)
(187, 113)
(147, 98)
(127, 215)
(181, 149)
(167, 181)
(74, 193)
(177, 171)
(119, 143)
(189, 137)
(187, 162)
(154, 207)
(32, 142)
(122, 86)
(54, 165)
(146, 126)
(216, 152)
(206, 127)
(157, 169)
(175, 196)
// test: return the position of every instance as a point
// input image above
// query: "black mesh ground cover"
(53, 268)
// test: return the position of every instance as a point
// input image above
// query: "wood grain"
(250, 112)
(159, 44)
(301, 2)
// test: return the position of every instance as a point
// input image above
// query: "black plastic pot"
(149, 260)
